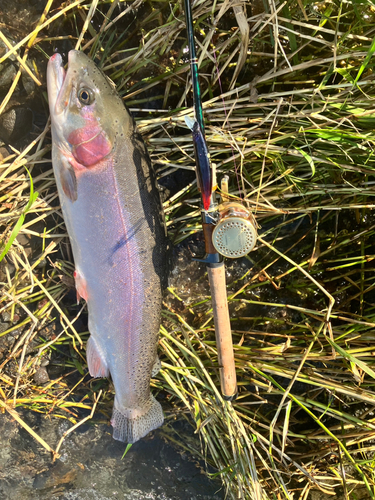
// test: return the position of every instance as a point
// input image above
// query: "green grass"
(293, 129)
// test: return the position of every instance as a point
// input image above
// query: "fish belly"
(114, 247)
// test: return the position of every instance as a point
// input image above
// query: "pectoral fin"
(68, 180)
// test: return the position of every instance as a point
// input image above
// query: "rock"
(15, 124)
(6, 77)
(41, 376)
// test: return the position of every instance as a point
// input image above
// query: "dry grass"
(289, 119)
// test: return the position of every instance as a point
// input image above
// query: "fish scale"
(112, 211)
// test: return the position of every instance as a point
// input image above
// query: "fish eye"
(86, 96)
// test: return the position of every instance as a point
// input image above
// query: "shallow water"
(90, 466)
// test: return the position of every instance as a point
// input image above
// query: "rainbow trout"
(111, 207)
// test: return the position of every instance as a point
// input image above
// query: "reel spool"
(235, 233)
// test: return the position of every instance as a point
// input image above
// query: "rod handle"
(224, 344)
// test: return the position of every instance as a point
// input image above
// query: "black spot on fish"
(150, 198)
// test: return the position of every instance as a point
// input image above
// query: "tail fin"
(130, 430)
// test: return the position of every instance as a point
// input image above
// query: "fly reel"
(235, 233)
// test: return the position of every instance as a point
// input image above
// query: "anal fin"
(95, 359)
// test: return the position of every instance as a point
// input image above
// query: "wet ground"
(90, 466)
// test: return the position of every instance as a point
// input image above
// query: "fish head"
(85, 109)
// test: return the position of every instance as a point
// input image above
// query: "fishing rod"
(228, 228)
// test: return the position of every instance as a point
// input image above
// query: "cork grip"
(228, 379)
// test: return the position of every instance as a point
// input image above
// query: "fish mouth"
(56, 76)
(60, 82)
